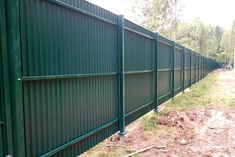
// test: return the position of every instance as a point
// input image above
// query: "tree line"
(164, 16)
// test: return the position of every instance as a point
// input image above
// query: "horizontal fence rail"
(72, 74)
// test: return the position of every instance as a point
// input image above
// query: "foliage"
(228, 45)
(159, 15)
(164, 16)
(202, 38)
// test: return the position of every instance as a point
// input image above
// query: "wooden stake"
(145, 149)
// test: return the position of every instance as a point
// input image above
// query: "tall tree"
(160, 15)
(228, 43)
(218, 36)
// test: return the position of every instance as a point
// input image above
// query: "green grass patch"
(102, 150)
(204, 93)
(200, 94)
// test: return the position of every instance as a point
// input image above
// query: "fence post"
(121, 75)
(190, 68)
(183, 65)
(199, 64)
(173, 69)
(195, 76)
(199, 73)
(15, 71)
(201, 67)
(5, 87)
(156, 70)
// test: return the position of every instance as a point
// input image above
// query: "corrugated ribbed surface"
(1, 110)
(70, 74)
(2, 34)
(197, 70)
(92, 8)
(193, 65)
(165, 69)
(139, 66)
(61, 41)
(200, 67)
(187, 68)
(178, 64)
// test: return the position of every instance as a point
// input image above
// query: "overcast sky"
(215, 12)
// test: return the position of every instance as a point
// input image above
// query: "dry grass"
(204, 94)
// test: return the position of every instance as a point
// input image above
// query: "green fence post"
(195, 69)
(173, 70)
(190, 68)
(15, 71)
(199, 73)
(201, 67)
(204, 66)
(6, 111)
(156, 70)
(121, 75)
(183, 66)
(199, 60)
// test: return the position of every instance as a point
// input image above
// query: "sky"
(214, 12)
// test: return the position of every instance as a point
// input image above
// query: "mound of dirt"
(182, 120)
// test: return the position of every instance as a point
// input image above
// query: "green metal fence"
(73, 74)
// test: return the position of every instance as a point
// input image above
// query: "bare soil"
(204, 132)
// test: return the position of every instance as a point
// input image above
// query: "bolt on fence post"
(190, 68)
(173, 70)
(183, 66)
(121, 75)
(156, 72)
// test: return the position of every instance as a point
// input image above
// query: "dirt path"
(199, 131)
(227, 83)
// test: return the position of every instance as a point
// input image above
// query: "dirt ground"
(189, 132)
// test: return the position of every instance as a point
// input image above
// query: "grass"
(201, 94)
(206, 93)
(102, 150)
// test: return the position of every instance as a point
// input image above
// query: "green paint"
(121, 75)
(65, 84)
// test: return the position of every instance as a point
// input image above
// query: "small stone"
(183, 142)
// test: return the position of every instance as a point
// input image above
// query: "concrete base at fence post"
(122, 138)
(156, 110)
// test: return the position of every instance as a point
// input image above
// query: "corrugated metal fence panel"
(64, 58)
(3, 92)
(1, 96)
(200, 67)
(92, 8)
(197, 69)
(178, 65)
(69, 77)
(1, 109)
(139, 69)
(193, 65)
(187, 68)
(165, 69)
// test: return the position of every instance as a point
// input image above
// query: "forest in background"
(164, 16)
